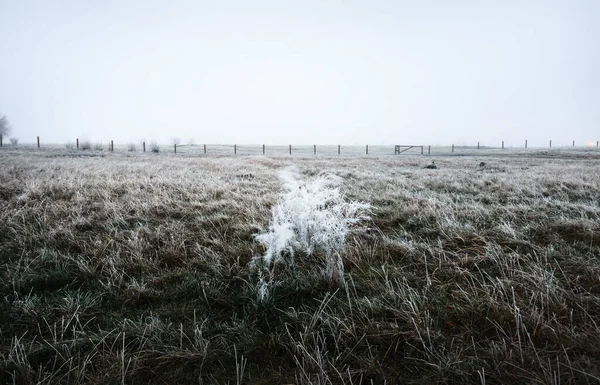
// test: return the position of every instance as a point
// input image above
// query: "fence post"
(0, 140)
(367, 149)
(263, 149)
(421, 150)
(573, 143)
(452, 147)
(525, 143)
(290, 149)
(38, 141)
(77, 143)
(315, 149)
(234, 149)
(339, 148)
(175, 147)
(503, 145)
(596, 143)
(550, 143)
(429, 150)
(478, 145)
(144, 146)
(205, 148)
(112, 146)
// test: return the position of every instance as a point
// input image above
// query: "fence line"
(326, 150)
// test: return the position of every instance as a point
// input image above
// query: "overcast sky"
(302, 72)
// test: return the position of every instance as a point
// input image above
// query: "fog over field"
(355, 72)
(299, 192)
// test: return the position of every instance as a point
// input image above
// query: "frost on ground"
(312, 216)
(133, 268)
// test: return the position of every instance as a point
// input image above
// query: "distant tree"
(4, 125)
(14, 141)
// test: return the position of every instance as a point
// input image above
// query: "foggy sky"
(302, 72)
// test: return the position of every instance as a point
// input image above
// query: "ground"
(134, 268)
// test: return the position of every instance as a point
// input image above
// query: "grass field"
(135, 269)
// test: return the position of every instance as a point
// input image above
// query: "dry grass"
(133, 268)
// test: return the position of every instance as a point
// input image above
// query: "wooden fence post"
(175, 147)
(596, 143)
(550, 143)
(205, 148)
(429, 150)
(38, 141)
(573, 143)
(144, 146)
(525, 143)
(367, 149)
(112, 146)
(0, 140)
(263, 149)
(339, 148)
(421, 150)
(235, 149)
(77, 143)
(290, 149)
(478, 145)
(315, 149)
(452, 147)
(503, 145)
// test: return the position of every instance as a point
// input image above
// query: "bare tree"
(4, 125)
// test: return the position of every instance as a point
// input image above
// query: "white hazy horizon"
(275, 72)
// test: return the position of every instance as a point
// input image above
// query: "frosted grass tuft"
(312, 216)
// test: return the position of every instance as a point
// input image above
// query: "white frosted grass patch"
(312, 216)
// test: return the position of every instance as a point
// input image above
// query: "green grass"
(133, 268)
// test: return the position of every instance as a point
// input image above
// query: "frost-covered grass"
(310, 217)
(136, 268)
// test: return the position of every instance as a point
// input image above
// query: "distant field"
(134, 268)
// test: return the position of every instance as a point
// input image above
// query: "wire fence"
(301, 150)
(276, 150)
